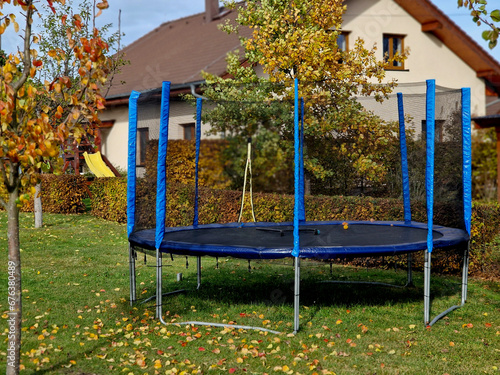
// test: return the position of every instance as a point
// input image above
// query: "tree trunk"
(14, 285)
(38, 206)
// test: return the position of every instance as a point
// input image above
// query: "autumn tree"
(300, 39)
(53, 34)
(483, 14)
(32, 134)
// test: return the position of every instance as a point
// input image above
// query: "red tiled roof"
(176, 51)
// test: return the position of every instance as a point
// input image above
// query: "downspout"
(193, 92)
(493, 102)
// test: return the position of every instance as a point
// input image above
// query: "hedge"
(64, 194)
(181, 162)
(109, 198)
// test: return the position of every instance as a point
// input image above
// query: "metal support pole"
(296, 303)
(131, 263)
(427, 287)
(409, 280)
(159, 298)
(465, 273)
(198, 272)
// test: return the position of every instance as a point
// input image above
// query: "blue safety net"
(187, 148)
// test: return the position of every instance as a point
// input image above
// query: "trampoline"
(318, 240)
(302, 239)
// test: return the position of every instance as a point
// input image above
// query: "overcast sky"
(138, 17)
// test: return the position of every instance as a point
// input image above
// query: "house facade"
(180, 50)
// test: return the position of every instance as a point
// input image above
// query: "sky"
(138, 17)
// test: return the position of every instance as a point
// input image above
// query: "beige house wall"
(115, 140)
(429, 58)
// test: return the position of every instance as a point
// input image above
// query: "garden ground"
(77, 318)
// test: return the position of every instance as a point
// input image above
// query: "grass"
(77, 317)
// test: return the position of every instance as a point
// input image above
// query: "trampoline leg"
(296, 302)
(159, 296)
(131, 263)
(409, 281)
(198, 272)
(427, 287)
(465, 274)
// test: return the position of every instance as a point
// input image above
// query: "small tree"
(299, 39)
(32, 134)
(54, 42)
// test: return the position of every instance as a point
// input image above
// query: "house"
(178, 51)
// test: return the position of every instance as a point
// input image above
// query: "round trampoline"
(319, 240)
(148, 231)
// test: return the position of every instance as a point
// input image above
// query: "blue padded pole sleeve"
(467, 157)
(199, 106)
(161, 169)
(429, 170)
(296, 251)
(404, 160)
(132, 155)
(302, 216)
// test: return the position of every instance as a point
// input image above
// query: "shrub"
(484, 164)
(62, 194)
(181, 162)
(109, 198)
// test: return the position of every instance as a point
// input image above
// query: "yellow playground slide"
(97, 165)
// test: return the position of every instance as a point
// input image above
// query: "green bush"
(181, 162)
(62, 194)
(484, 164)
(109, 198)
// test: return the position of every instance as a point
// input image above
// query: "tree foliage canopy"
(37, 114)
(483, 14)
(299, 39)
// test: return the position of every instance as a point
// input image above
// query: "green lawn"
(77, 317)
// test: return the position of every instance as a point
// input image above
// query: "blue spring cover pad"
(318, 239)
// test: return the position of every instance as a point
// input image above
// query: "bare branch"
(27, 50)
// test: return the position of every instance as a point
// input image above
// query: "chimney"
(211, 10)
